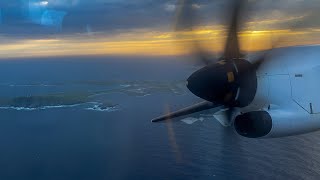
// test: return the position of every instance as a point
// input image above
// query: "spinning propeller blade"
(232, 49)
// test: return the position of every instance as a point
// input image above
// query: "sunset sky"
(145, 27)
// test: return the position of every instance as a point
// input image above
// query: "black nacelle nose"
(232, 83)
(212, 83)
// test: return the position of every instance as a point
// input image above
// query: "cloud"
(49, 18)
(170, 7)
(63, 3)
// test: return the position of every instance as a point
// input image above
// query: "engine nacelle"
(275, 123)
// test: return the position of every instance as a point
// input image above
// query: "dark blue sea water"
(88, 118)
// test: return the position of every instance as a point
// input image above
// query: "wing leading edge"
(189, 110)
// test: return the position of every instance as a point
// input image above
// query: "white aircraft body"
(289, 91)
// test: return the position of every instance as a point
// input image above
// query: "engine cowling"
(275, 123)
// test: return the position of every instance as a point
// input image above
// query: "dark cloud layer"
(25, 18)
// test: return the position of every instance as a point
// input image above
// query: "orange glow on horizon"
(152, 43)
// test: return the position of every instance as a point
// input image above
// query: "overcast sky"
(46, 19)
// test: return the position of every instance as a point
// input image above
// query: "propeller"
(228, 82)
(232, 49)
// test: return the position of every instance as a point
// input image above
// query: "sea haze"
(89, 118)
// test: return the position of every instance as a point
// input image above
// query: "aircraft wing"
(189, 110)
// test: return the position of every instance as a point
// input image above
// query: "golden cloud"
(154, 43)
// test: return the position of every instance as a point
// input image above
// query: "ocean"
(88, 118)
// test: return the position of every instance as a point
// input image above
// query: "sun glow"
(155, 43)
